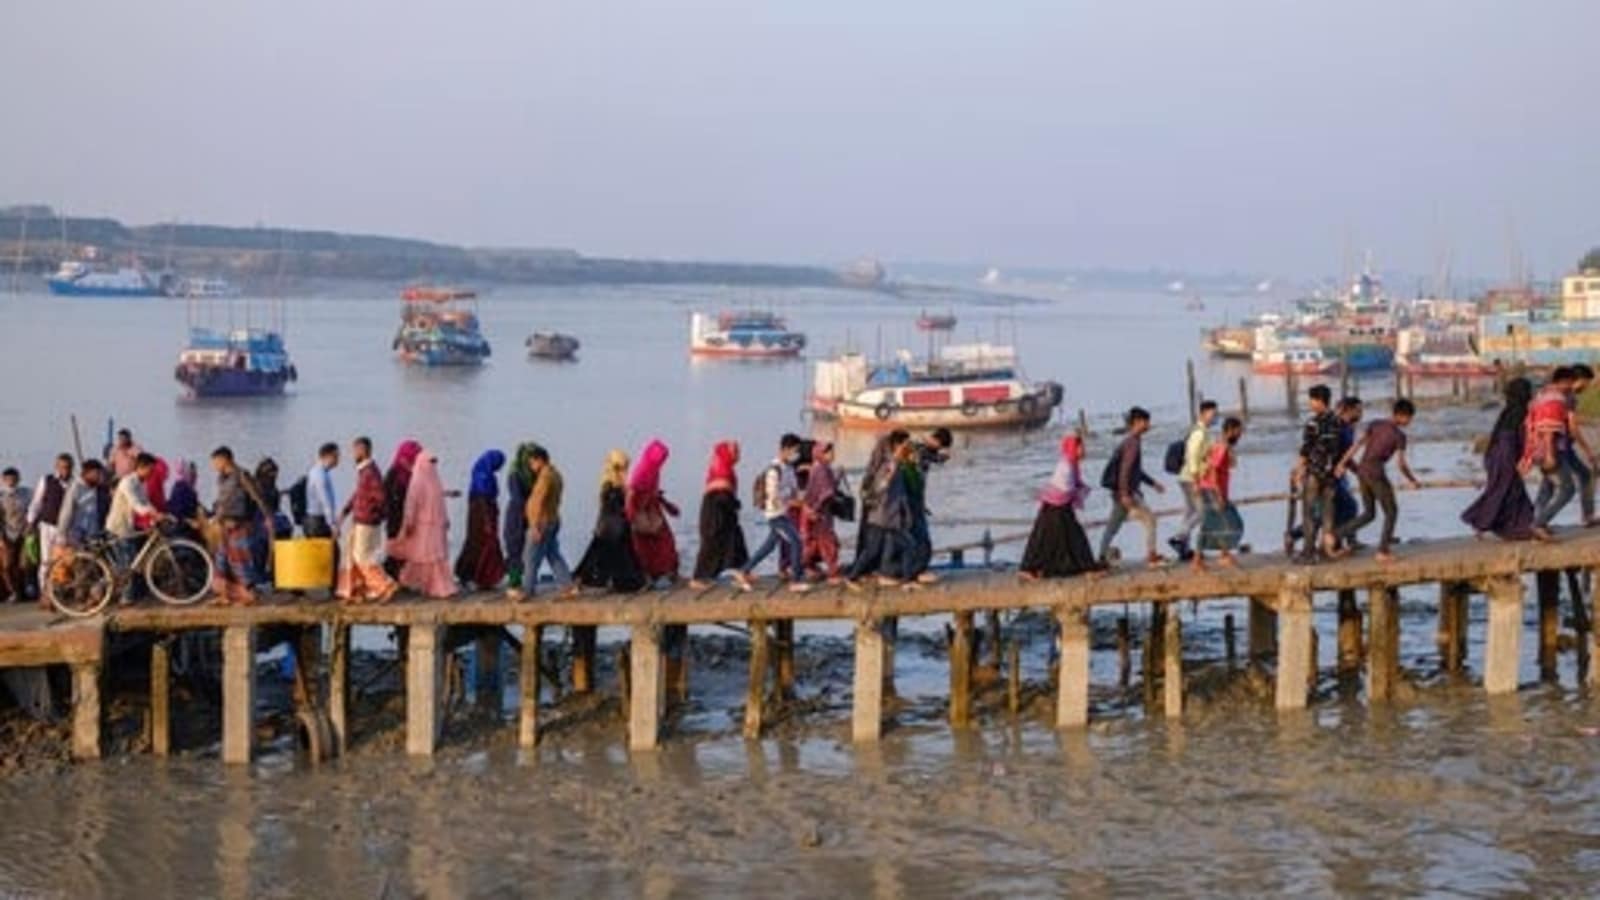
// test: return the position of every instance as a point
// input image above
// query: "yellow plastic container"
(302, 564)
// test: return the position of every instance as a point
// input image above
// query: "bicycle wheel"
(179, 572)
(79, 584)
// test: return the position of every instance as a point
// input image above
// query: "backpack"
(297, 500)
(1176, 452)
(1108, 478)
(758, 489)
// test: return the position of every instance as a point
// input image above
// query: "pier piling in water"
(238, 693)
(755, 696)
(1383, 645)
(866, 715)
(1172, 669)
(424, 680)
(161, 697)
(1504, 644)
(1294, 645)
(961, 670)
(1072, 679)
(1349, 634)
(648, 688)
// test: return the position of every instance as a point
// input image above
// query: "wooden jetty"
(1281, 594)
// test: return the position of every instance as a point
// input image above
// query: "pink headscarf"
(405, 455)
(425, 536)
(1066, 486)
(721, 473)
(646, 478)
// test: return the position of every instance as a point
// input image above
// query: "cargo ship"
(437, 329)
(970, 386)
(243, 362)
(79, 279)
(747, 335)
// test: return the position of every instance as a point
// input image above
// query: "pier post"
(528, 687)
(866, 716)
(1244, 400)
(1172, 676)
(584, 641)
(1193, 392)
(86, 711)
(1503, 646)
(1548, 584)
(1262, 625)
(1153, 658)
(1383, 652)
(1294, 644)
(424, 658)
(1014, 677)
(161, 697)
(1124, 652)
(785, 659)
(755, 695)
(648, 688)
(339, 688)
(1072, 681)
(490, 694)
(1349, 634)
(1291, 390)
(238, 692)
(961, 669)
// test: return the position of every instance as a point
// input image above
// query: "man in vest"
(45, 510)
(1196, 452)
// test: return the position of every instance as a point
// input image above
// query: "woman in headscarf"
(155, 490)
(647, 511)
(183, 504)
(482, 563)
(820, 541)
(722, 546)
(424, 541)
(1057, 546)
(519, 486)
(396, 485)
(1504, 508)
(610, 561)
(278, 525)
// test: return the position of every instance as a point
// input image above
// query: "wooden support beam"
(1503, 646)
(1262, 626)
(585, 638)
(339, 688)
(1152, 659)
(161, 697)
(1548, 585)
(648, 688)
(528, 687)
(1072, 681)
(866, 716)
(1295, 663)
(490, 693)
(785, 658)
(961, 669)
(86, 710)
(238, 693)
(1014, 677)
(1172, 674)
(424, 668)
(890, 627)
(755, 695)
(1124, 652)
(1349, 633)
(1383, 652)
(1228, 642)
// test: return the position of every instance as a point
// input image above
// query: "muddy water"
(1441, 792)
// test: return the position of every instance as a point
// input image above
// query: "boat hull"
(224, 382)
(734, 352)
(1031, 410)
(432, 357)
(64, 288)
(1451, 369)
(1279, 367)
(1364, 357)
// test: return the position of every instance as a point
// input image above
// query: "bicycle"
(82, 582)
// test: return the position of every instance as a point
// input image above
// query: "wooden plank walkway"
(1281, 592)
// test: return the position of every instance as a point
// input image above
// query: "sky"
(1270, 136)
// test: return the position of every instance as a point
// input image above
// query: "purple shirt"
(1384, 439)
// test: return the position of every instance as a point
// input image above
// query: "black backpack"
(297, 500)
(1176, 451)
(1108, 478)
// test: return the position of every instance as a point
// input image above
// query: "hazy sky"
(1210, 134)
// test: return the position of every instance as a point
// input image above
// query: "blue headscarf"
(484, 483)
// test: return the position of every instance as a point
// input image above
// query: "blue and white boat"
(243, 362)
(435, 331)
(79, 279)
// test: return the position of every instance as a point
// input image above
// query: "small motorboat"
(936, 322)
(552, 345)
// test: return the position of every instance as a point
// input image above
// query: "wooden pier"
(1281, 594)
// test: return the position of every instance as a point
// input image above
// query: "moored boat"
(974, 386)
(436, 331)
(1230, 343)
(243, 362)
(1440, 354)
(419, 293)
(552, 345)
(936, 322)
(1276, 354)
(202, 288)
(79, 279)
(750, 334)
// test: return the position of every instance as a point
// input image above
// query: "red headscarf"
(155, 485)
(1072, 448)
(720, 474)
(405, 456)
(646, 478)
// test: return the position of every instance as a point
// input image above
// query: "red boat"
(422, 292)
(936, 322)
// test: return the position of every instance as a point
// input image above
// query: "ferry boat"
(936, 322)
(202, 288)
(1279, 355)
(243, 362)
(552, 345)
(973, 386)
(1441, 354)
(436, 331)
(79, 279)
(749, 334)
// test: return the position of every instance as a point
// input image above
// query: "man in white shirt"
(1196, 451)
(779, 495)
(128, 502)
(322, 505)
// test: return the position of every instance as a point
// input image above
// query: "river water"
(1443, 792)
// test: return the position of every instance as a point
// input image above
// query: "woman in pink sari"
(424, 541)
(647, 511)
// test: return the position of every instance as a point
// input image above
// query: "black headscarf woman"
(1504, 508)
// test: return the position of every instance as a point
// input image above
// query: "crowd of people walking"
(393, 532)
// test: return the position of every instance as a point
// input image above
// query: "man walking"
(1549, 446)
(44, 511)
(1196, 453)
(1313, 473)
(1125, 477)
(777, 495)
(322, 506)
(362, 577)
(543, 512)
(1384, 438)
(14, 581)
